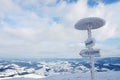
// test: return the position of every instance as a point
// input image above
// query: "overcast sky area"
(45, 28)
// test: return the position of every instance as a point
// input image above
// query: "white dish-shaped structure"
(90, 22)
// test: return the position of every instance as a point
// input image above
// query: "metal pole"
(91, 57)
(92, 68)
(89, 33)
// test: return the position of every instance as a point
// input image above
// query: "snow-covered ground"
(60, 69)
(110, 75)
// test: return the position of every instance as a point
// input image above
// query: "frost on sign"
(91, 52)
(90, 42)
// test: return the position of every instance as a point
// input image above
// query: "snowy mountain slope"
(86, 76)
(111, 75)
(46, 68)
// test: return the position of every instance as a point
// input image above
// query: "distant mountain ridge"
(47, 67)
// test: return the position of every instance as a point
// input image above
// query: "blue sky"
(45, 28)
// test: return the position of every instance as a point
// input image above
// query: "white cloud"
(107, 12)
(108, 50)
(35, 33)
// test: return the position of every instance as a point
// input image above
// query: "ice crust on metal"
(92, 22)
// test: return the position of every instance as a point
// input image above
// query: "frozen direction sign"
(90, 42)
(89, 24)
(91, 52)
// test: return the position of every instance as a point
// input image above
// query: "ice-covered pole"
(91, 57)
(89, 24)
